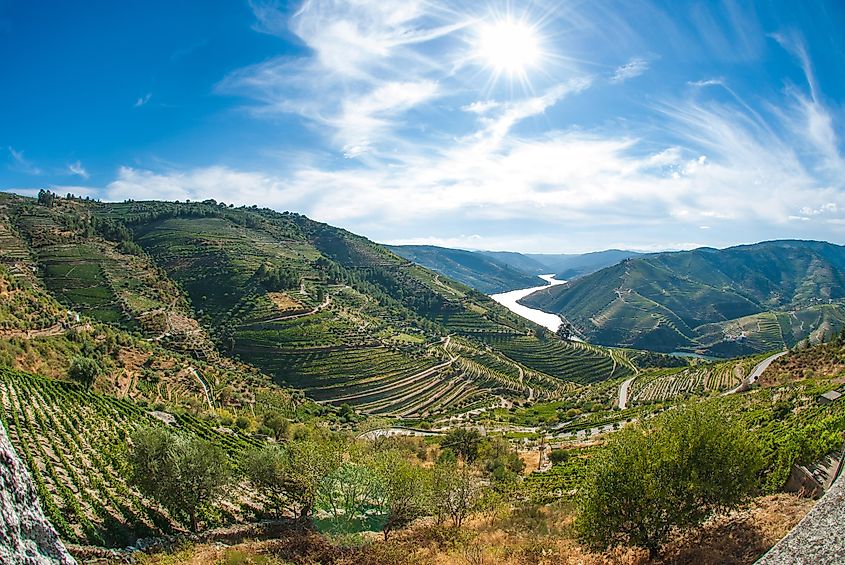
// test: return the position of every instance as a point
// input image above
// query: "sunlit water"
(509, 301)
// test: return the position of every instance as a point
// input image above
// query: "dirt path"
(323, 305)
(205, 386)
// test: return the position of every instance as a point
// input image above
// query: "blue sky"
(528, 126)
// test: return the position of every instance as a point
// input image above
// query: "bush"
(675, 471)
(84, 370)
(558, 456)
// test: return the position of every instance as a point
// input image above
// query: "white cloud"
(77, 169)
(21, 164)
(364, 75)
(142, 101)
(481, 106)
(632, 69)
(714, 163)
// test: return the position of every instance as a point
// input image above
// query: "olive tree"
(402, 489)
(673, 472)
(84, 370)
(455, 492)
(291, 475)
(184, 473)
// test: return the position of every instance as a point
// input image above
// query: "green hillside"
(314, 307)
(729, 302)
(477, 270)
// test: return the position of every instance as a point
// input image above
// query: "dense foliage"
(672, 472)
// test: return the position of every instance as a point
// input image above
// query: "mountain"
(568, 267)
(477, 270)
(492, 272)
(223, 291)
(739, 300)
(519, 261)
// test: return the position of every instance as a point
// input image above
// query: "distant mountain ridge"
(499, 271)
(480, 271)
(732, 301)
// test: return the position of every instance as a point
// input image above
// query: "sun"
(508, 46)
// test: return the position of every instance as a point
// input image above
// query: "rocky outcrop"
(818, 539)
(26, 536)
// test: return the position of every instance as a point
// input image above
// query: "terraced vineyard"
(568, 361)
(73, 443)
(666, 384)
(561, 482)
(313, 306)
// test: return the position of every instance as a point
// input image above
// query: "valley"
(259, 334)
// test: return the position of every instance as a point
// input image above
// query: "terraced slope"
(702, 379)
(735, 301)
(315, 307)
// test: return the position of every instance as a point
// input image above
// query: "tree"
(347, 491)
(402, 489)
(675, 471)
(83, 370)
(558, 456)
(266, 469)
(278, 424)
(501, 461)
(46, 198)
(455, 493)
(464, 442)
(309, 461)
(184, 473)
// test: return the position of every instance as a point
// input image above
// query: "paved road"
(758, 370)
(623, 393)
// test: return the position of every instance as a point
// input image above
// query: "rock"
(26, 536)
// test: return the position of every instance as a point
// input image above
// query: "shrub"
(675, 471)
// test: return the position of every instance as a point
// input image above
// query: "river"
(509, 301)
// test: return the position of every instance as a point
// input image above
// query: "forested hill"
(739, 300)
(477, 270)
(314, 306)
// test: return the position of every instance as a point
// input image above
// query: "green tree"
(558, 456)
(185, 474)
(402, 489)
(278, 424)
(454, 494)
(465, 443)
(674, 471)
(84, 370)
(266, 468)
(309, 461)
(347, 492)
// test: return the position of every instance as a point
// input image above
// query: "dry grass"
(284, 302)
(530, 535)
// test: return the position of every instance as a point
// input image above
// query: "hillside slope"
(313, 306)
(477, 270)
(735, 301)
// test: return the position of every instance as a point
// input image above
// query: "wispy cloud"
(142, 101)
(21, 164)
(77, 169)
(359, 49)
(633, 68)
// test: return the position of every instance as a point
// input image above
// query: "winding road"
(623, 392)
(758, 370)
